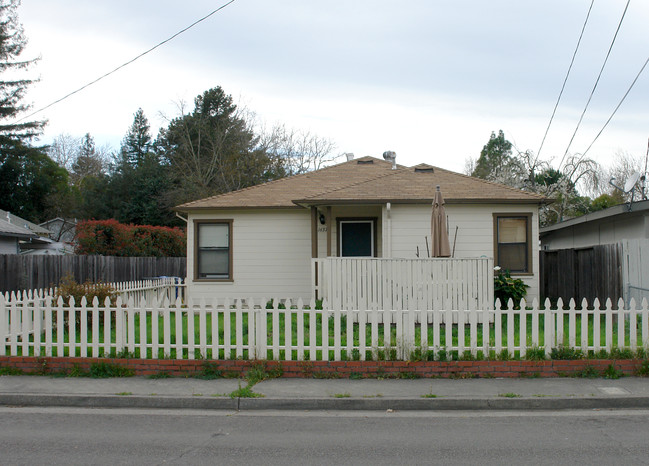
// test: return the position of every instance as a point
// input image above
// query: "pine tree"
(12, 90)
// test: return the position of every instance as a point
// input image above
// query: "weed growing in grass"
(10, 371)
(429, 395)
(588, 372)
(613, 372)
(643, 370)
(467, 356)
(624, 353)
(124, 393)
(504, 355)
(355, 376)
(104, 370)
(341, 395)
(76, 371)
(160, 375)
(245, 392)
(642, 353)
(534, 353)
(356, 355)
(124, 354)
(408, 375)
(566, 353)
(422, 354)
(209, 371)
(509, 395)
(258, 371)
(442, 355)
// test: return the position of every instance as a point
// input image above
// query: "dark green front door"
(356, 238)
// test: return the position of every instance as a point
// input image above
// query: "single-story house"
(260, 241)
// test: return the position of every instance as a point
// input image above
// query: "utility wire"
(596, 83)
(127, 63)
(618, 106)
(538, 154)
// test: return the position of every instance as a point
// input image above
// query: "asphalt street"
(140, 436)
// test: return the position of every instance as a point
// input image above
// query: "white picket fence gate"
(227, 330)
(379, 283)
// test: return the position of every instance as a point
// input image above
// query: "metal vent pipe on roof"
(391, 156)
(349, 155)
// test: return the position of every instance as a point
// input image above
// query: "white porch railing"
(228, 330)
(362, 283)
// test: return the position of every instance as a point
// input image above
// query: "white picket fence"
(159, 289)
(379, 283)
(242, 329)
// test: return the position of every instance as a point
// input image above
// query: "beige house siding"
(272, 247)
(411, 224)
(271, 255)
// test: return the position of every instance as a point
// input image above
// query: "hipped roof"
(366, 180)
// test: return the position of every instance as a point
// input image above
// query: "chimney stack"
(350, 156)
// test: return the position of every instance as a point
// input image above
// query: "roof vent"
(425, 170)
(365, 162)
(391, 156)
(349, 155)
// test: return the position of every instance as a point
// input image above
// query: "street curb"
(313, 404)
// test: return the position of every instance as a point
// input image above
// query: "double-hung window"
(213, 260)
(512, 242)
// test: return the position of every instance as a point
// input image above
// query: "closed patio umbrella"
(438, 234)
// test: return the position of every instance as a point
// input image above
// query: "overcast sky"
(428, 79)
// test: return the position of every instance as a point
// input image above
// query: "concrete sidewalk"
(311, 394)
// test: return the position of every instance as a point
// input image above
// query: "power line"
(618, 106)
(127, 63)
(538, 154)
(596, 83)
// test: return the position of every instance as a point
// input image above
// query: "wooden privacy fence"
(582, 273)
(18, 272)
(362, 283)
(228, 330)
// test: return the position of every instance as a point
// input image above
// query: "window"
(213, 260)
(512, 242)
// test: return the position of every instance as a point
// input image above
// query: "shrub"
(70, 288)
(506, 287)
(111, 238)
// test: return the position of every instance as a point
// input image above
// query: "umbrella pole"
(454, 241)
(427, 249)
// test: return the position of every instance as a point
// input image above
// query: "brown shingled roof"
(365, 180)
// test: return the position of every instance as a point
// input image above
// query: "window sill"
(213, 280)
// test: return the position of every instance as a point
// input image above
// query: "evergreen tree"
(137, 143)
(212, 150)
(30, 182)
(12, 90)
(140, 181)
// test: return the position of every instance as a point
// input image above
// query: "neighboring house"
(259, 241)
(603, 254)
(608, 226)
(15, 220)
(11, 235)
(34, 239)
(61, 229)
